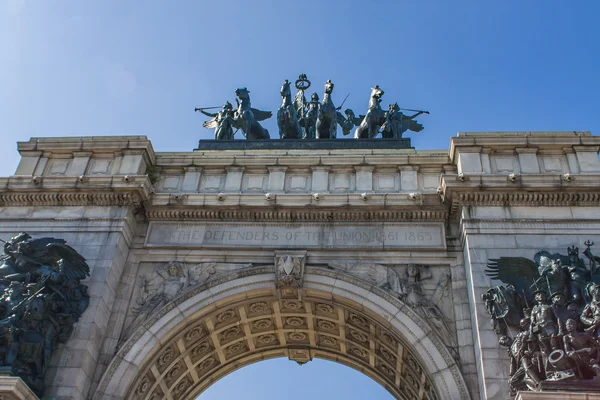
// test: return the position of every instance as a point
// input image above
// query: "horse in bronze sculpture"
(287, 117)
(246, 118)
(327, 118)
(375, 117)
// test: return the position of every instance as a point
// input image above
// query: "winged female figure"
(221, 122)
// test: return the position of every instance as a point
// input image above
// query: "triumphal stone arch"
(150, 275)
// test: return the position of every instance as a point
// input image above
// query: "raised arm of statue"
(415, 115)
(212, 115)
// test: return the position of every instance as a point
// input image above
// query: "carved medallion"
(324, 308)
(266, 339)
(326, 325)
(258, 307)
(297, 336)
(294, 321)
(263, 324)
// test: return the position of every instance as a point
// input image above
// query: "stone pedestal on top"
(13, 388)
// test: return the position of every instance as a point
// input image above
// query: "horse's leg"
(318, 129)
(249, 134)
(333, 128)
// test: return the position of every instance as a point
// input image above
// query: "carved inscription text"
(375, 235)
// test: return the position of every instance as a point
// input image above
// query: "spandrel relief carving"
(416, 286)
(158, 286)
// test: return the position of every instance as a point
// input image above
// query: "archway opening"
(261, 325)
(278, 378)
(218, 328)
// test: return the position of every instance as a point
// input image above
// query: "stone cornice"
(548, 199)
(273, 201)
(293, 215)
(74, 191)
(303, 158)
(539, 190)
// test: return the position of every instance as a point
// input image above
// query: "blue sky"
(113, 67)
(282, 379)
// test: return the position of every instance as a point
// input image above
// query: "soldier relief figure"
(41, 299)
(314, 119)
(553, 303)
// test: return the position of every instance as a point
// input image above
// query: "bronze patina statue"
(287, 117)
(396, 123)
(247, 118)
(298, 118)
(349, 121)
(302, 84)
(327, 116)
(41, 299)
(374, 118)
(309, 121)
(222, 122)
(558, 343)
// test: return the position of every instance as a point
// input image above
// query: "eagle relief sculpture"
(289, 270)
(547, 315)
(41, 299)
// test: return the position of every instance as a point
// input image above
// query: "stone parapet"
(525, 153)
(106, 155)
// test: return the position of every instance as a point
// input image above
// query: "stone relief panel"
(100, 166)
(386, 182)
(57, 167)
(212, 181)
(503, 163)
(342, 182)
(552, 164)
(431, 181)
(170, 183)
(254, 182)
(295, 182)
(157, 286)
(425, 289)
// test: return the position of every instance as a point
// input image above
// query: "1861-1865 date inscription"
(376, 235)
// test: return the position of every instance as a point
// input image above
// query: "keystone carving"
(289, 269)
